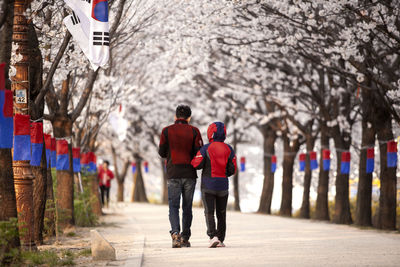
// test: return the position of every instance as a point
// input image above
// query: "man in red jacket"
(179, 143)
(105, 176)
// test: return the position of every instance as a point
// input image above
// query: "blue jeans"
(176, 188)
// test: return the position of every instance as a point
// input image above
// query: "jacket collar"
(181, 121)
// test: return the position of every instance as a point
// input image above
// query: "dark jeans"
(215, 201)
(176, 188)
(104, 190)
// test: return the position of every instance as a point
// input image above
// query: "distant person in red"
(218, 162)
(179, 143)
(105, 176)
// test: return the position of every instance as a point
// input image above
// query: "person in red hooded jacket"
(218, 162)
(105, 176)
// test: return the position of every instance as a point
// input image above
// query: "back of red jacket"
(179, 143)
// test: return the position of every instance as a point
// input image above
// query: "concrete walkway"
(260, 240)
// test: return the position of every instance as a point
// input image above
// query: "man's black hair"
(107, 162)
(183, 112)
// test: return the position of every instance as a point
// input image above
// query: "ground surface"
(139, 233)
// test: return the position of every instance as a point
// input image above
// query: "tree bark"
(139, 193)
(39, 197)
(120, 192)
(364, 191)
(290, 152)
(322, 207)
(269, 137)
(305, 205)
(94, 192)
(387, 198)
(236, 204)
(50, 205)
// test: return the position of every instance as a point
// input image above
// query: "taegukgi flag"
(89, 27)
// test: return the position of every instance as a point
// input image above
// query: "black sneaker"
(176, 240)
(185, 243)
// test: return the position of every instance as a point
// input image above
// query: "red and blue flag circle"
(100, 10)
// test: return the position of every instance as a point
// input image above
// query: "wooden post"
(23, 177)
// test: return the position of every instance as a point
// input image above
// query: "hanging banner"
(345, 163)
(133, 167)
(76, 159)
(313, 160)
(326, 159)
(273, 164)
(242, 164)
(92, 167)
(85, 162)
(146, 166)
(37, 143)
(62, 155)
(53, 159)
(22, 137)
(6, 117)
(392, 154)
(370, 160)
(47, 141)
(302, 162)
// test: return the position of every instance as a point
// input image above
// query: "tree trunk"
(287, 177)
(39, 197)
(50, 205)
(305, 205)
(164, 183)
(236, 204)
(342, 202)
(322, 207)
(8, 207)
(95, 201)
(268, 185)
(120, 192)
(139, 194)
(387, 198)
(364, 190)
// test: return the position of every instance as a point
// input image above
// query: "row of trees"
(305, 73)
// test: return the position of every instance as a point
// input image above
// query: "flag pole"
(23, 177)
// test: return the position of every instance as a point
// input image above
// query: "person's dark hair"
(107, 162)
(183, 112)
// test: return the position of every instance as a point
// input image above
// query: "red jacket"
(106, 181)
(179, 143)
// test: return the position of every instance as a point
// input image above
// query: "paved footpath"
(258, 240)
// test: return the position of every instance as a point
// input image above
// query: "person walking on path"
(105, 176)
(179, 143)
(218, 162)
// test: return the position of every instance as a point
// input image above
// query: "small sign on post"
(21, 97)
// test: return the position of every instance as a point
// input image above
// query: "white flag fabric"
(89, 27)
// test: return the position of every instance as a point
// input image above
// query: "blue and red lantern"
(146, 166)
(326, 159)
(392, 154)
(53, 159)
(6, 119)
(62, 155)
(313, 160)
(133, 167)
(345, 163)
(37, 143)
(76, 159)
(302, 162)
(242, 164)
(273, 164)
(370, 160)
(22, 137)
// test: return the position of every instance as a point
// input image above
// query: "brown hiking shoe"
(185, 243)
(176, 240)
